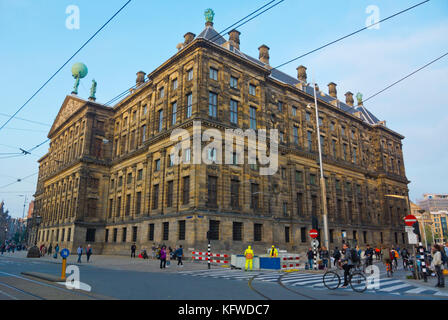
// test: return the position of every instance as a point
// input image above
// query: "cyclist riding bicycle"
(387, 260)
(348, 260)
(369, 255)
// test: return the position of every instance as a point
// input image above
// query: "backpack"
(444, 257)
(354, 255)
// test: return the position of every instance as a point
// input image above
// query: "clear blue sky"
(35, 42)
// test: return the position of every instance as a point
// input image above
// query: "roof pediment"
(70, 105)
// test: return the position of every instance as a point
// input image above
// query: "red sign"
(313, 233)
(410, 220)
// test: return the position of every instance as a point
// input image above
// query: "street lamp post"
(322, 178)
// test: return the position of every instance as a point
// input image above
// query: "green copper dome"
(79, 70)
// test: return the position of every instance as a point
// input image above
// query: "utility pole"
(322, 178)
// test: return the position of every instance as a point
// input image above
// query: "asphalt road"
(192, 285)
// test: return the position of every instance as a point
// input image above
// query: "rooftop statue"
(93, 90)
(209, 15)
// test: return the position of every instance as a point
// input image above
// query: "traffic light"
(417, 230)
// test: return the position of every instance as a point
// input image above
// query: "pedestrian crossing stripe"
(386, 285)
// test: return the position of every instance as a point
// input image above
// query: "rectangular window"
(285, 209)
(354, 156)
(190, 74)
(160, 128)
(258, 231)
(186, 190)
(166, 230)
(280, 106)
(308, 117)
(214, 230)
(313, 179)
(128, 205)
(138, 203)
(187, 156)
(287, 233)
(155, 197)
(139, 174)
(144, 109)
(174, 84)
(299, 176)
(254, 196)
(63, 235)
(157, 165)
(333, 147)
(129, 179)
(111, 207)
(134, 234)
(212, 191)
(344, 150)
(213, 74)
(322, 144)
(310, 140)
(90, 235)
(173, 113)
(237, 231)
(118, 206)
(169, 194)
(294, 111)
(106, 237)
(115, 234)
(161, 92)
(212, 104)
(296, 135)
(189, 105)
(182, 230)
(233, 111)
(234, 82)
(253, 118)
(299, 204)
(151, 232)
(252, 90)
(303, 235)
(234, 194)
(143, 133)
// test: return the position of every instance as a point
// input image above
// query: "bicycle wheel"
(331, 280)
(358, 282)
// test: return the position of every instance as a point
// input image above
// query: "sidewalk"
(117, 262)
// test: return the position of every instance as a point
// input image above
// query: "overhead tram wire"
(19, 180)
(351, 34)
(54, 74)
(27, 120)
(404, 78)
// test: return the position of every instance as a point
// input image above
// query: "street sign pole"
(208, 249)
(64, 266)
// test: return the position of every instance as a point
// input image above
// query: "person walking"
(310, 255)
(437, 264)
(179, 254)
(79, 252)
(56, 251)
(88, 252)
(3, 249)
(347, 262)
(336, 256)
(50, 249)
(163, 257)
(368, 253)
(273, 253)
(324, 255)
(446, 252)
(133, 249)
(249, 255)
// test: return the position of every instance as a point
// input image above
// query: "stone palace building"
(108, 179)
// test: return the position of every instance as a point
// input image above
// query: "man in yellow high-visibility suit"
(273, 253)
(249, 254)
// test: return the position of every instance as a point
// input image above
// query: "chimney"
(234, 39)
(189, 37)
(332, 89)
(264, 54)
(140, 78)
(301, 73)
(349, 99)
